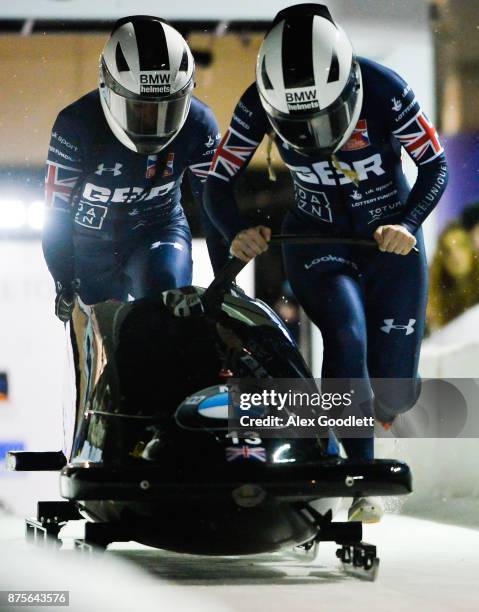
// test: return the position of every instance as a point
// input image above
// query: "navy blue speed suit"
(368, 305)
(114, 216)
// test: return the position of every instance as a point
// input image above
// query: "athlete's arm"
(411, 128)
(248, 127)
(198, 170)
(63, 171)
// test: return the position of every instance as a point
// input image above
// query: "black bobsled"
(152, 458)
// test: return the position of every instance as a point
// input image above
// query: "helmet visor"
(145, 120)
(322, 130)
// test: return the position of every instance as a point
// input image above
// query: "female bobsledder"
(115, 226)
(339, 122)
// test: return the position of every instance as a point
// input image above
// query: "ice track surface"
(424, 566)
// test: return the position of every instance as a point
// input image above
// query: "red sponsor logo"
(359, 138)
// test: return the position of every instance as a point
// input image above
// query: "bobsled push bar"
(233, 267)
(26, 461)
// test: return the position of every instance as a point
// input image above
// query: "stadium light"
(13, 214)
(36, 215)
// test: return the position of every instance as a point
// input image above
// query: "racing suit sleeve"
(63, 171)
(411, 129)
(246, 131)
(198, 171)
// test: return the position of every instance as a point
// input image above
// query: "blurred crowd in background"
(454, 270)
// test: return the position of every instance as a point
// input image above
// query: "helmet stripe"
(152, 45)
(301, 10)
(121, 63)
(184, 62)
(334, 68)
(264, 75)
(297, 52)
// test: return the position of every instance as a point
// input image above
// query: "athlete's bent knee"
(394, 396)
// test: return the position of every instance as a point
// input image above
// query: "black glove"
(65, 300)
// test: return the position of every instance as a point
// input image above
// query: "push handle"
(233, 267)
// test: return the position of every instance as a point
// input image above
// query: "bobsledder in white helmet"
(146, 83)
(309, 85)
(128, 144)
(340, 137)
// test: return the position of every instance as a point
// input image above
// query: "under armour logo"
(116, 170)
(397, 104)
(176, 245)
(389, 325)
(139, 224)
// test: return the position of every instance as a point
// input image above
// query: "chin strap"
(351, 174)
(269, 147)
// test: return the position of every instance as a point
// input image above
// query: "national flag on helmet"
(59, 183)
(232, 153)
(246, 452)
(419, 137)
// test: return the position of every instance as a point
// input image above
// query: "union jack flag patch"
(246, 452)
(59, 183)
(200, 170)
(232, 153)
(419, 137)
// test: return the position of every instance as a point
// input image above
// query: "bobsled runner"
(152, 458)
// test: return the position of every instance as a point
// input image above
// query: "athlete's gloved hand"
(394, 239)
(250, 242)
(65, 299)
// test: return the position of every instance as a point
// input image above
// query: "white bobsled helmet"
(309, 81)
(146, 82)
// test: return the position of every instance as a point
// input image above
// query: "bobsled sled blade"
(359, 560)
(306, 553)
(26, 461)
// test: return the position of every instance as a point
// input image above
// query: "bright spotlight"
(36, 214)
(13, 214)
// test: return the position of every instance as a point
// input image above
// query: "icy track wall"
(444, 469)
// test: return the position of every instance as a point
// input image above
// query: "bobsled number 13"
(252, 439)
